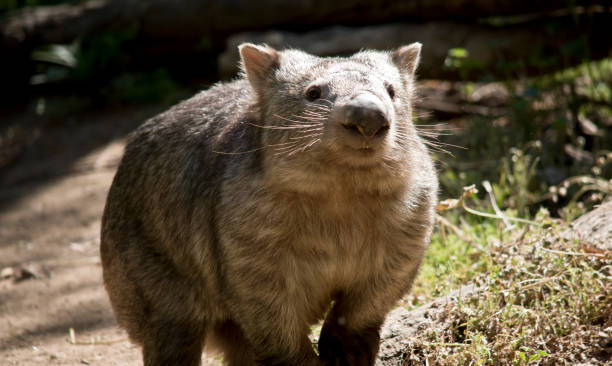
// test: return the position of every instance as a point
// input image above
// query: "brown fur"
(240, 215)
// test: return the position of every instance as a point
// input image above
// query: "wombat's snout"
(365, 114)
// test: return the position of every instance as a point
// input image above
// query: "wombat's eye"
(391, 91)
(313, 93)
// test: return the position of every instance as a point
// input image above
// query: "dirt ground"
(52, 193)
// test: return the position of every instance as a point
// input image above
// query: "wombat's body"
(240, 216)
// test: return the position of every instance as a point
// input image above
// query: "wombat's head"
(351, 112)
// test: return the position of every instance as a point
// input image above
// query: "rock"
(595, 228)
(401, 325)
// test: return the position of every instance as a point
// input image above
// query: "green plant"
(553, 128)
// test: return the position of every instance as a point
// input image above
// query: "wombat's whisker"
(406, 136)
(433, 145)
(432, 133)
(294, 121)
(304, 148)
(323, 108)
(281, 127)
(438, 143)
(302, 125)
(308, 121)
(288, 148)
(311, 130)
(429, 132)
(318, 110)
(326, 101)
(307, 114)
(288, 152)
(238, 152)
(320, 115)
(313, 118)
(329, 105)
(297, 145)
(432, 130)
(252, 150)
(432, 148)
(312, 123)
(304, 137)
(296, 138)
(439, 149)
(437, 126)
(280, 144)
(310, 144)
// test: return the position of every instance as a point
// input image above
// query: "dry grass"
(546, 299)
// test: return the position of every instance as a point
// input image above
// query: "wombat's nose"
(365, 113)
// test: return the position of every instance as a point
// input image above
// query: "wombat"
(239, 218)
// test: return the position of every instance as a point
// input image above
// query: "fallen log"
(196, 18)
(184, 39)
(492, 52)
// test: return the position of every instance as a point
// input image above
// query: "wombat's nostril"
(365, 114)
(352, 127)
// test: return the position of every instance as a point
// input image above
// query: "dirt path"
(51, 203)
(53, 234)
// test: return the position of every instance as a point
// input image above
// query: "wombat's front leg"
(351, 332)
(169, 343)
(277, 336)
(270, 319)
(348, 341)
(339, 346)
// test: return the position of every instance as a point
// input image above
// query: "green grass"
(451, 262)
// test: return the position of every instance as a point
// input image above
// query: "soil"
(53, 186)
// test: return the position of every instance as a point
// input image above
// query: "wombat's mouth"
(354, 129)
(363, 149)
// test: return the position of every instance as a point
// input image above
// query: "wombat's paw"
(339, 347)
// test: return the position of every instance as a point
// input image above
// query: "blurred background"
(515, 98)
(521, 87)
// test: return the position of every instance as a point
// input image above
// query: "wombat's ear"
(258, 62)
(406, 58)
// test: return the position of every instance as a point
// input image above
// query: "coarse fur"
(247, 213)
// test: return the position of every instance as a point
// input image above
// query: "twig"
(545, 280)
(440, 344)
(539, 283)
(489, 189)
(72, 340)
(485, 214)
(469, 191)
(460, 234)
(575, 253)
